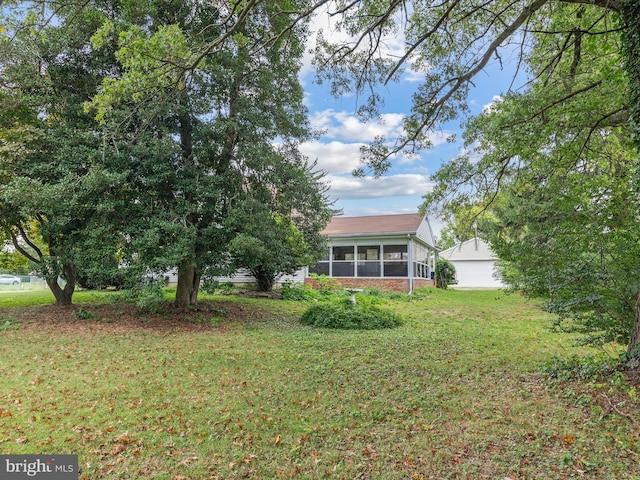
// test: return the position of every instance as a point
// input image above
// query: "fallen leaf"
(117, 449)
(278, 440)
(22, 440)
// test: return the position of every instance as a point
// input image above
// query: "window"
(322, 267)
(396, 261)
(343, 253)
(343, 261)
(369, 261)
(364, 261)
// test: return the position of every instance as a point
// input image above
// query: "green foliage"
(327, 285)
(82, 313)
(557, 166)
(575, 367)
(151, 299)
(347, 315)
(210, 285)
(463, 224)
(215, 176)
(270, 240)
(59, 199)
(298, 292)
(8, 323)
(444, 273)
(13, 262)
(148, 296)
(630, 12)
(226, 288)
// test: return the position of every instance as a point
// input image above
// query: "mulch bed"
(121, 318)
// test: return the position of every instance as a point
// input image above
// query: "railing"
(421, 270)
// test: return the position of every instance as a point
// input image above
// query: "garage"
(474, 262)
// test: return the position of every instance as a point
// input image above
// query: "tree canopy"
(557, 167)
(195, 112)
(54, 183)
(449, 43)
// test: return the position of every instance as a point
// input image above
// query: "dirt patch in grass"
(122, 318)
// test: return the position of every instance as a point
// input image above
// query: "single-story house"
(392, 252)
(475, 264)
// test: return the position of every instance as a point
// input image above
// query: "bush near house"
(444, 273)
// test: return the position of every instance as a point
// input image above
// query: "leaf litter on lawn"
(255, 394)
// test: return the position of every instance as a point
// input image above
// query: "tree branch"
(19, 248)
(612, 5)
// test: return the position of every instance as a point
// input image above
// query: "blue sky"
(337, 151)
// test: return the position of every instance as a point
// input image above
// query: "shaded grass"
(453, 393)
(27, 298)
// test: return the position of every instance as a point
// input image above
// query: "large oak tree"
(229, 123)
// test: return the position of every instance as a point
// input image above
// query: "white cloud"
(346, 126)
(489, 107)
(391, 46)
(338, 150)
(333, 157)
(345, 187)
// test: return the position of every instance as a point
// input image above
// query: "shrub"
(346, 315)
(326, 285)
(210, 285)
(151, 299)
(296, 291)
(148, 296)
(444, 273)
(226, 288)
(7, 323)
(82, 314)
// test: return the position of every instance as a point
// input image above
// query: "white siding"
(475, 264)
(425, 233)
(474, 249)
(243, 276)
(475, 274)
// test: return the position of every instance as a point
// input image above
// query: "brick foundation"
(392, 284)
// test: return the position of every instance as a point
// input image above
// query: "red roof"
(376, 224)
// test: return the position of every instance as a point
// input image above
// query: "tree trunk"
(188, 274)
(630, 12)
(264, 279)
(633, 349)
(63, 296)
(188, 287)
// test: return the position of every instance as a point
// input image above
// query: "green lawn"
(456, 392)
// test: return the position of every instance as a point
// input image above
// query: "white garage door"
(475, 274)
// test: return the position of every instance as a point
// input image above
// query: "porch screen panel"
(343, 261)
(369, 261)
(396, 261)
(322, 267)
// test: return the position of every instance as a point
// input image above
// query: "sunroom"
(393, 252)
